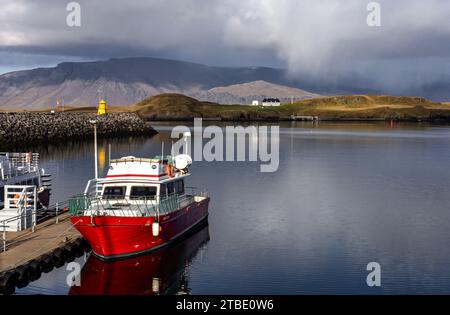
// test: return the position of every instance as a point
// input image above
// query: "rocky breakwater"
(25, 129)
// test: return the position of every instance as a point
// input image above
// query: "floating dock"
(28, 254)
(305, 118)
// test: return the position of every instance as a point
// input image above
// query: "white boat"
(24, 189)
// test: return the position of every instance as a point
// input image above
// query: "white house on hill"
(271, 102)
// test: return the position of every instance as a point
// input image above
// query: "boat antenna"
(109, 153)
(94, 122)
(186, 135)
(162, 152)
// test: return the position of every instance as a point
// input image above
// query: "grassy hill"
(354, 107)
(181, 107)
(371, 107)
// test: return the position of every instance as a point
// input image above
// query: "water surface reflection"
(162, 272)
(344, 195)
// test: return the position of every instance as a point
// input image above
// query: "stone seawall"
(28, 129)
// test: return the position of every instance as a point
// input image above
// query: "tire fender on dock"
(23, 273)
(46, 262)
(59, 257)
(8, 282)
(34, 270)
(79, 246)
(87, 247)
(71, 251)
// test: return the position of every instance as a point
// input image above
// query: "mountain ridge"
(245, 93)
(121, 81)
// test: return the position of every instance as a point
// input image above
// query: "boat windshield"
(114, 192)
(140, 192)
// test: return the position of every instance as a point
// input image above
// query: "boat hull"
(115, 237)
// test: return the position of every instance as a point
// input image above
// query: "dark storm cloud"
(323, 40)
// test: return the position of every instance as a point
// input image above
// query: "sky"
(324, 40)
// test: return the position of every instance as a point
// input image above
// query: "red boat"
(140, 206)
(161, 272)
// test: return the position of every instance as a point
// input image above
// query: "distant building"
(271, 102)
(255, 103)
(101, 107)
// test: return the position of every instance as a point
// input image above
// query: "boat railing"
(93, 188)
(98, 205)
(83, 205)
(16, 164)
(194, 191)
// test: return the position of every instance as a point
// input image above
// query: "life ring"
(16, 203)
(17, 197)
(169, 169)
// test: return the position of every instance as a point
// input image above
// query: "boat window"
(170, 188)
(2, 194)
(162, 190)
(113, 192)
(179, 187)
(138, 192)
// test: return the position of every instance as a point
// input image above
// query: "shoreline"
(325, 119)
(21, 130)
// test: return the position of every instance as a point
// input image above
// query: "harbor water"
(344, 195)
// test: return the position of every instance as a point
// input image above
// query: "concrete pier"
(32, 128)
(53, 243)
(27, 245)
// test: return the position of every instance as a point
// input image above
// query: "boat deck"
(86, 206)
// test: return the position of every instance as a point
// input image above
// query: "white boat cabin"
(139, 186)
(134, 178)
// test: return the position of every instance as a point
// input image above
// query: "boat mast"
(186, 136)
(96, 150)
(94, 122)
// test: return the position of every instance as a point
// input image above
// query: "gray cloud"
(326, 40)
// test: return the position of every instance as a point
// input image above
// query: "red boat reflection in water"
(161, 272)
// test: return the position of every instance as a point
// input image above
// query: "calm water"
(344, 195)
